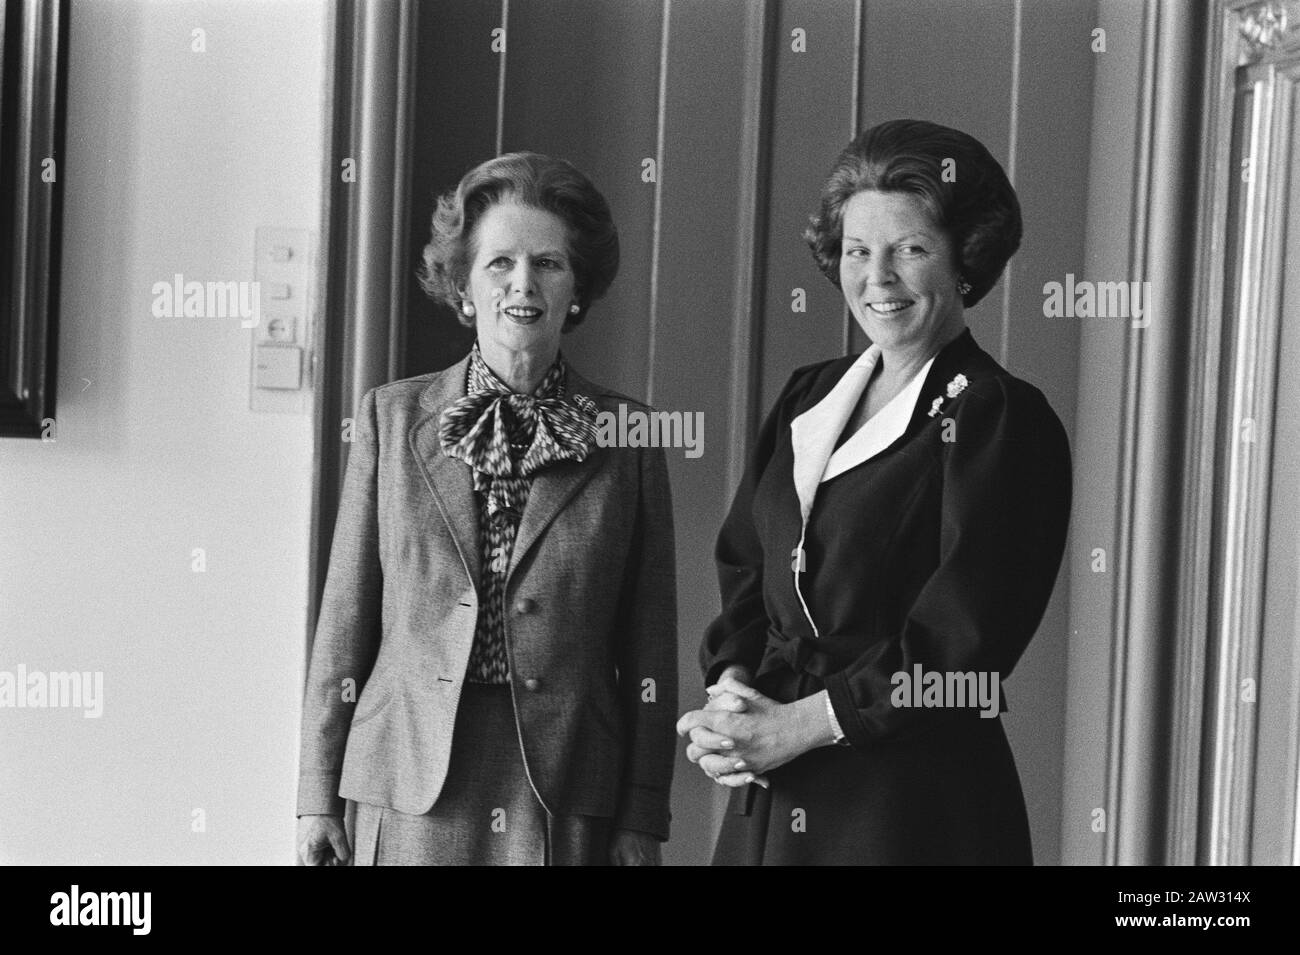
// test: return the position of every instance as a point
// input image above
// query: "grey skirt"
(487, 813)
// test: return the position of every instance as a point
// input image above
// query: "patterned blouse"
(506, 438)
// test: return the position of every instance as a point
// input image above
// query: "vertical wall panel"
(582, 79)
(1095, 522)
(1054, 95)
(950, 63)
(1055, 90)
(812, 119)
(454, 129)
(697, 309)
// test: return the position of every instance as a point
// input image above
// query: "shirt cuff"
(840, 738)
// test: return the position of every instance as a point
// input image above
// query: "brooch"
(955, 387)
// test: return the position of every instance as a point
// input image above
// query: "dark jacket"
(942, 551)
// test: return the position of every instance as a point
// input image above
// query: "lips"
(891, 306)
(523, 314)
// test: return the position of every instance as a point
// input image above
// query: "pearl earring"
(468, 310)
(575, 308)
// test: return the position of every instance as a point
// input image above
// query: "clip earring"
(575, 308)
(963, 287)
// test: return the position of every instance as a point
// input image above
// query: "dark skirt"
(949, 796)
(487, 813)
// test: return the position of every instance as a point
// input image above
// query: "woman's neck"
(521, 370)
(897, 367)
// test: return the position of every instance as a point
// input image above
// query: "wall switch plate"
(280, 378)
(278, 367)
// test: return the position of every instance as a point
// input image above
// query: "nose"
(880, 270)
(523, 280)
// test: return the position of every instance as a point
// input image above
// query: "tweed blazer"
(591, 620)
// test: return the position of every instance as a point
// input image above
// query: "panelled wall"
(709, 126)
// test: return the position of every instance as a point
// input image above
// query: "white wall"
(173, 159)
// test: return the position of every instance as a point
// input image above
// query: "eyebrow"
(906, 235)
(551, 253)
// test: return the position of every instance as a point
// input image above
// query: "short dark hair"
(531, 179)
(978, 209)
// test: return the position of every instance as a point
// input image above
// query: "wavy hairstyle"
(978, 209)
(531, 179)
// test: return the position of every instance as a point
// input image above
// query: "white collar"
(813, 434)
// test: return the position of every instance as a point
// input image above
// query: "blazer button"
(525, 605)
(532, 684)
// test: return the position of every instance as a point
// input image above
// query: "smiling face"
(898, 273)
(521, 281)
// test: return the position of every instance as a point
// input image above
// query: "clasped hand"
(740, 733)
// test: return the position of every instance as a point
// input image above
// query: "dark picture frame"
(33, 109)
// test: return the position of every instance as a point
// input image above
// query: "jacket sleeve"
(647, 651)
(1006, 489)
(739, 634)
(348, 627)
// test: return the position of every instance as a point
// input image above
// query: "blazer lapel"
(556, 485)
(885, 427)
(450, 482)
(813, 432)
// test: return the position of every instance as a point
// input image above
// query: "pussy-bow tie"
(478, 428)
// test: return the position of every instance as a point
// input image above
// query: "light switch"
(279, 366)
(281, 347)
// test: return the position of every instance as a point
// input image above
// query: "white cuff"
(835, 723)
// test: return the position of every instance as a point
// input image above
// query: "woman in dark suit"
(893, 544)
(501, 587)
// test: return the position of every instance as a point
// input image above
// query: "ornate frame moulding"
(1271, 25)
(1251, 75)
